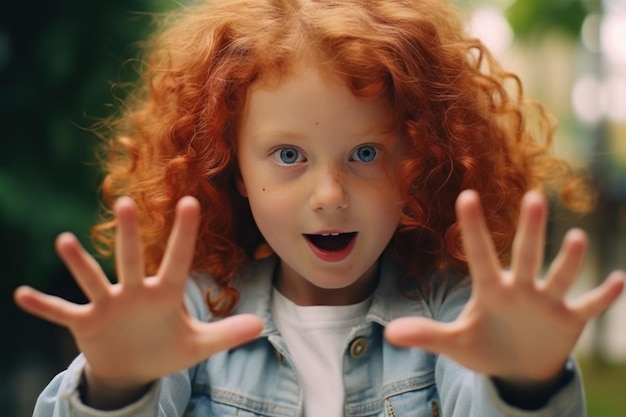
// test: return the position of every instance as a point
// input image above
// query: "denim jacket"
(260, 379)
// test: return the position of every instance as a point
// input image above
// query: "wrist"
(531, 394)
(104, 394)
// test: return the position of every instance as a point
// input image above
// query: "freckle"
(316, 123)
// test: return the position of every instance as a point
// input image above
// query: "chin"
(333, 284)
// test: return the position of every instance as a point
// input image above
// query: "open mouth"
(331, 242)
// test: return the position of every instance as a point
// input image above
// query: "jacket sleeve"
(167, 397)
(465, 393)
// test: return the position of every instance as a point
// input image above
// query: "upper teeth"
(330, 234)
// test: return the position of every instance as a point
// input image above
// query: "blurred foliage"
(533, 17)
(604, 388)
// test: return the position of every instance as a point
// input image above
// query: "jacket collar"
(255, 284)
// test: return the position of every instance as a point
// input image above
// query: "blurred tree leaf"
(532, 17)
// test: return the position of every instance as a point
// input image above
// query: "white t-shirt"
(316, 337)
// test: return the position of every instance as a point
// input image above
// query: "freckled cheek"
(271, 202)
(383, 185)
(389, 197)
(275, 215)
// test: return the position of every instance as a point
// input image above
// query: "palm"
(138, 330)
(507, 334)
(514, 326)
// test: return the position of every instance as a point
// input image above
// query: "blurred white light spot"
(614, 6)
(492, 28)
(593, 100)
(613, 37)
(587, 99)
(590, 32)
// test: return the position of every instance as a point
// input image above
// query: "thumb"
(229, 332)
(418, 332)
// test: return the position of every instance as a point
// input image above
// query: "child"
(318, 149)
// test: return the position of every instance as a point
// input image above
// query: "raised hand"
(137, 330)
(515, 327)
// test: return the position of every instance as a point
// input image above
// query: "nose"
(329, 190)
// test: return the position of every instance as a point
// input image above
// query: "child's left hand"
(515, 327)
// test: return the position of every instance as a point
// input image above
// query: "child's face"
(316, 162)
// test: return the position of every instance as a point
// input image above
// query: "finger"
(181, 243)
(227, 333)
(566, 265)
(128, 247)
(86, 271)
(47, 307)
(529, 241)
(482, 259)
(596, 301)
(420, 332)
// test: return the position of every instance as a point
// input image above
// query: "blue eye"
(366, 153)
(287, 156)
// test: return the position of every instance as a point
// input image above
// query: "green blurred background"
(58, 64)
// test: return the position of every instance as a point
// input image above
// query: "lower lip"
(332, 256)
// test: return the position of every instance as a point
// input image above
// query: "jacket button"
(358, 347)
(435, 409)
(279, 356)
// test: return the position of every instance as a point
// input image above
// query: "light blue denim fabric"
(259, 378)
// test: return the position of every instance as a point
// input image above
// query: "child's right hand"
(137, 330)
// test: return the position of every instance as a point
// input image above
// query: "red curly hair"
(464, 118)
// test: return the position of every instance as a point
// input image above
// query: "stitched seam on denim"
(253, 405)
(398, 387)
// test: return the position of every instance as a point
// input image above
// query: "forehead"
(309, 97)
